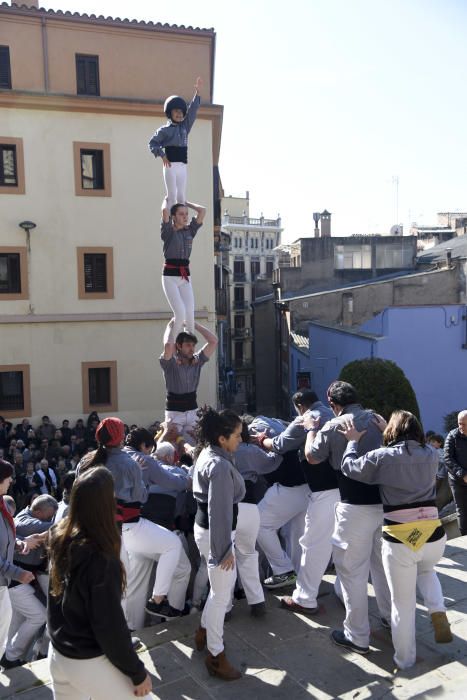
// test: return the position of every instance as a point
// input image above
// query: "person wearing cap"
(140, 537)
(170, 142)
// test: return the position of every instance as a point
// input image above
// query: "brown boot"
(443, 633)
(200, 638)
(220, 667)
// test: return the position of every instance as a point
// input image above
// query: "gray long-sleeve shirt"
(27, 524)
(127, 476)
(175, 134)
(251, 460)
(8, 570)
(157, 477)
(294, 436)
(405, 472)
(177, 243)
(217, 482)
(181, 378)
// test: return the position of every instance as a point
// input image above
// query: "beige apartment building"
(82, 312)
(252, 256)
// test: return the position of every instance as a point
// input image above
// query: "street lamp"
(27, 226)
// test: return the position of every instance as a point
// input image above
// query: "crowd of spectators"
(41, 456)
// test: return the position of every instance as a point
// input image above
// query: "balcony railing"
(221, 302)
(249, 221)
(244, 364)
(239, 276)
(241, 305)
(241, 332)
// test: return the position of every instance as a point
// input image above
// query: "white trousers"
(220, 594)
(185, 421)
(81, 679)
(179, 294)
(316, 544)
(145, 543)
(357, 552)
(279, 505)
(5, 617)
(29, 615)
(246, 554)
(405, 570)
(175, 183)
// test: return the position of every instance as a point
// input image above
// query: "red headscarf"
(110, 432)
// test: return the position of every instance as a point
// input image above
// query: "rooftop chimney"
(325, 224)
(29, 3)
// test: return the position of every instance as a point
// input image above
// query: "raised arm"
(192, 108)
(200, 211)
(169, 341)
(210, 338)
(165, 214)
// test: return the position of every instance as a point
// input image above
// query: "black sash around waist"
(176, 267)
(177, 154)
(202, 517)
(181, 402)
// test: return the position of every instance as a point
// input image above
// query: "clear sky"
(326, 101)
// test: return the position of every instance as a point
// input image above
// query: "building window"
(239, 322)
(239, 298)
(87, 74)
(269, 267)
(238, 352)
(13, 273)
(95, 273)
(5, 69)
(393, 256)
(99, 386)
(239, 271)
(255, 269)
(11, 166)
(352, 257)
(15, 391)
(92, 169)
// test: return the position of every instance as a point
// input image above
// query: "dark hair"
(6, 470)
(175, 207)
(403, 426)
(212, 425)
(69, 480)
(138, 437)
(186, 459)
(304, 397)
(245, 432)
(90, 521)
(342, 393)
(184, 337)
(435, 436)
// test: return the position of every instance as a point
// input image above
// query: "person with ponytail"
(8, 543)
(413, 537)
(218, 488)
(91, 652)
(141, 538)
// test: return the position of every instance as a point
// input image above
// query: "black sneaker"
(280, 580)
(6, 664)
(385, 623)
(339, 638)
(162, 609)
(258, 609)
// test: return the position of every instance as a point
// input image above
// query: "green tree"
(381, 385)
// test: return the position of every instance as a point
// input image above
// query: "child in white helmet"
(170, 142)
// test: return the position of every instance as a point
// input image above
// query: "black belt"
(177, 154)
(181, 402)
(202, 517)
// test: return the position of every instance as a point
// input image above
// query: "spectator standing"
(455, 458)
(46, 430)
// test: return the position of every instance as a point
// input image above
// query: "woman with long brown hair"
(91, 654)
(413, 536)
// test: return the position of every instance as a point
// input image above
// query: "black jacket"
(455, 454)
(87, 620)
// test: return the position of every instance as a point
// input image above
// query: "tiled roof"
(457, 245)
(302, 342)
(100, 19)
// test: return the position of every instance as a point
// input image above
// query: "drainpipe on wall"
(45, 54)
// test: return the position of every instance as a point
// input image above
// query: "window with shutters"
(5, 69)
(92, 169)
(13, 273)
(11, 165)
(255, 269)
(99, 382)
(95, 273)
(87, 74)
(15, 391)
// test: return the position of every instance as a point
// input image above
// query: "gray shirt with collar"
(8, 570)
(157, 477)
(174, 133)
(217, 482)
(182, 378)
(251, 460)
(178, 242)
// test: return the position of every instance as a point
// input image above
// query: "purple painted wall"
(424, 341)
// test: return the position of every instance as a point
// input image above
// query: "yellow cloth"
(413, 535)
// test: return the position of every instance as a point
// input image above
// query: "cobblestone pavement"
(289, 656)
